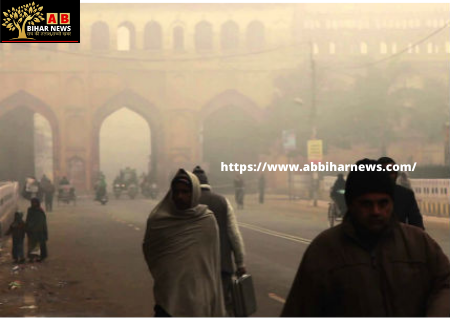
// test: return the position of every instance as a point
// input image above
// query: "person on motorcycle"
(118, 186)
(153, 190)
(100, 188)
(337, 194)
(64, 181)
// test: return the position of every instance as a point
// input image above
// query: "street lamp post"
(315, 175)
(312, 119)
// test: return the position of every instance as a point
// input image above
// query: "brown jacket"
(406, 275)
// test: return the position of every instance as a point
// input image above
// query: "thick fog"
(253, 94)
(366, 79)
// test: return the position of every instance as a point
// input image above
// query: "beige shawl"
(181, 248)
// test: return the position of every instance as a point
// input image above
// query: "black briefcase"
(244, 300)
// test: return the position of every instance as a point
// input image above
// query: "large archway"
(29, 138)
(125, 140)
(139, 106)
(229, 134)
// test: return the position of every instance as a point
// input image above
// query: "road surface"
(96, 266)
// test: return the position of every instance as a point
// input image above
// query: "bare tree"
(29, 13)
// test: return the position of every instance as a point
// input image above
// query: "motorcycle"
(132, 191)
(103, 199)
(153, 191)
(117, 188)
(101, 196)
(149, 190)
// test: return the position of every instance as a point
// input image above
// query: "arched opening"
(28, 139)
(132, 105)
(315, 48)
(178, 39)
(203, 37)
(152, 36)
(256, 36)
(383, 48)
(124, 142)
(126, 38)
(229, 134)
(100, 36)
(123, 39)
(43, 147)
(229, 36)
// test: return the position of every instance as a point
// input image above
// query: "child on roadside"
(17, 231)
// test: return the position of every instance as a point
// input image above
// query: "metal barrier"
(432, 195)
(9, 202)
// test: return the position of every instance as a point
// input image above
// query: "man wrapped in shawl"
(36, 231)
(181, 247)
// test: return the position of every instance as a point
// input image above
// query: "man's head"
(35, 203)
(385, 161)
(201, 175)
(370, 198)
(182, 191)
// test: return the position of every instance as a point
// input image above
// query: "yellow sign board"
(315, 150)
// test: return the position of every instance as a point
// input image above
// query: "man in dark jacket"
(371, 265)
(230, 237)
(49, 190)
(405, 204)
(262, 188)
(239, 191)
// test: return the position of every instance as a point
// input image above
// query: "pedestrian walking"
(405, 204)
(49, 191)
(337, 194)
(239, 187)
(231, 243)
(371, 265)
(261, 188)
(17, 232)
(181, 248)
(36, 226)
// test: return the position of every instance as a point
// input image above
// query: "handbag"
(244, 300)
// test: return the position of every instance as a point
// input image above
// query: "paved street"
(96, 266)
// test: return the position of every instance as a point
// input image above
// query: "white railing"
(9, 202)
(432, 195)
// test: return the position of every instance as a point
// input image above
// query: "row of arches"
(143, 151)
(230, 37)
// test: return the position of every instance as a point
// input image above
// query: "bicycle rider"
(337, 194)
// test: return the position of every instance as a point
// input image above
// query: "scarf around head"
(166, 214)
(182, 251)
